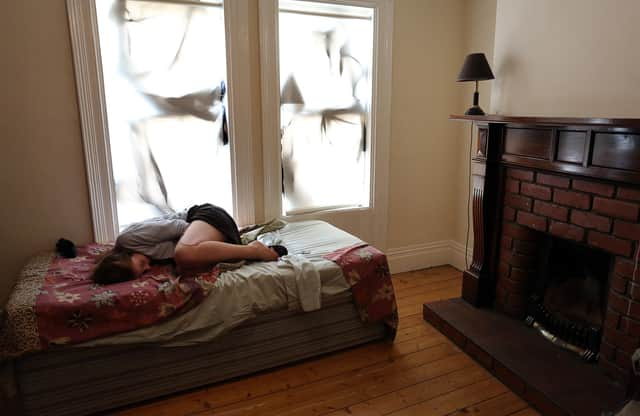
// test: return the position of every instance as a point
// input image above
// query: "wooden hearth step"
(551, 379)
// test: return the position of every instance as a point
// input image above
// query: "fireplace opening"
(568, 302)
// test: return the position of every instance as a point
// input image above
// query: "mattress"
(261, 302)
(256, 288)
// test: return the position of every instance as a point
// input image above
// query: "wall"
(480, 22)
(427, 43)
(569, 58)
(42, 174)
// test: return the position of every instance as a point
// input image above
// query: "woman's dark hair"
(114, 267)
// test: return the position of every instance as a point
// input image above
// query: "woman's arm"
(209, 252)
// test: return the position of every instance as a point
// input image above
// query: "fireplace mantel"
(567, 121)
(600, 148)
(604, 150)
(574, 178)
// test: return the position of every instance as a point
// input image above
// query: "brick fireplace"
(597, 214)
(549, 193)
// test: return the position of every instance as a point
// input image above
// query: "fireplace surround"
(572, 178)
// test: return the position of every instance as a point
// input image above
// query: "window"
(325, 56)
(326, 75)
(164, 72)
(136, 155)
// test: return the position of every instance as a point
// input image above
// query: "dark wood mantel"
(541, 121)
(597, 149)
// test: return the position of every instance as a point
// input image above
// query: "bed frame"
(79, 381)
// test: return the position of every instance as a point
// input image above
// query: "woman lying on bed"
(194, 239)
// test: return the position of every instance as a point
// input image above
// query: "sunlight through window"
(325, 82)
(164, 68)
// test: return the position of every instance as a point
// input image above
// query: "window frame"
(85, 44)
(380, 130)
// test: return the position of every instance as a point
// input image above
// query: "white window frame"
(380, 130)
(93, 115)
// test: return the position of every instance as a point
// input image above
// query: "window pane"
(325, 83)
(164, 67)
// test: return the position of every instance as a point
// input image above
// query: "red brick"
(518, 274)
(501, 294)
(567, 231)
(503, 270)
(624, 267)
(608, 351)
(525, 247)
(618, 303)
(597, 188)
(523, 175)
(609, 243)
(632, 194)
(623, 359)
(612, 319)
(509, 214)
(512, 185)
(519, 232)
(534, 221)
(634, 291)
(522, 203)
(634, 308)
(612, 370)
(572, 199)
(516, 305)
(556, 212)
(518, 260)
(627, 230)
(619, 209)
(621, 340)
(618, 283)
(506, 242)
(630, 326)
(590, 220)
(513, 286)
(537, 191)
(557, 181)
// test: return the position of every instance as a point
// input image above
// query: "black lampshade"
(475, 68)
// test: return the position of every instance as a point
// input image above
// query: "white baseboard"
(421, 256)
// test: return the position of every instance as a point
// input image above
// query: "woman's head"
(120, 265)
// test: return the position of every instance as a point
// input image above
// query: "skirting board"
(422, 256)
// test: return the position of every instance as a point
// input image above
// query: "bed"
(255, 317)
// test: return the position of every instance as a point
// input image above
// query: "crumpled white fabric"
(303, 290)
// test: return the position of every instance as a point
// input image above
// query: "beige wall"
(42, 176)
(42, 164)
(567, 58)
(480, 20)
(427, 45)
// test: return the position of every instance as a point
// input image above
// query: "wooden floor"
(421, 373)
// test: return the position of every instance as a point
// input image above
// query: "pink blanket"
(67, 307)
(367, 271)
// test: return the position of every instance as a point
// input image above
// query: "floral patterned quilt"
(56, 302)
(367, 271)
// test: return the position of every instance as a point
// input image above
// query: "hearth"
(556, 218)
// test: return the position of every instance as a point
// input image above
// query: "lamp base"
(474, 111)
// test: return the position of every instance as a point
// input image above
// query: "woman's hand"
(263, 252)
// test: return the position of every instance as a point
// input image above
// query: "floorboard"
(421, 373)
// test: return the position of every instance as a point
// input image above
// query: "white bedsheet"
(303, 278)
